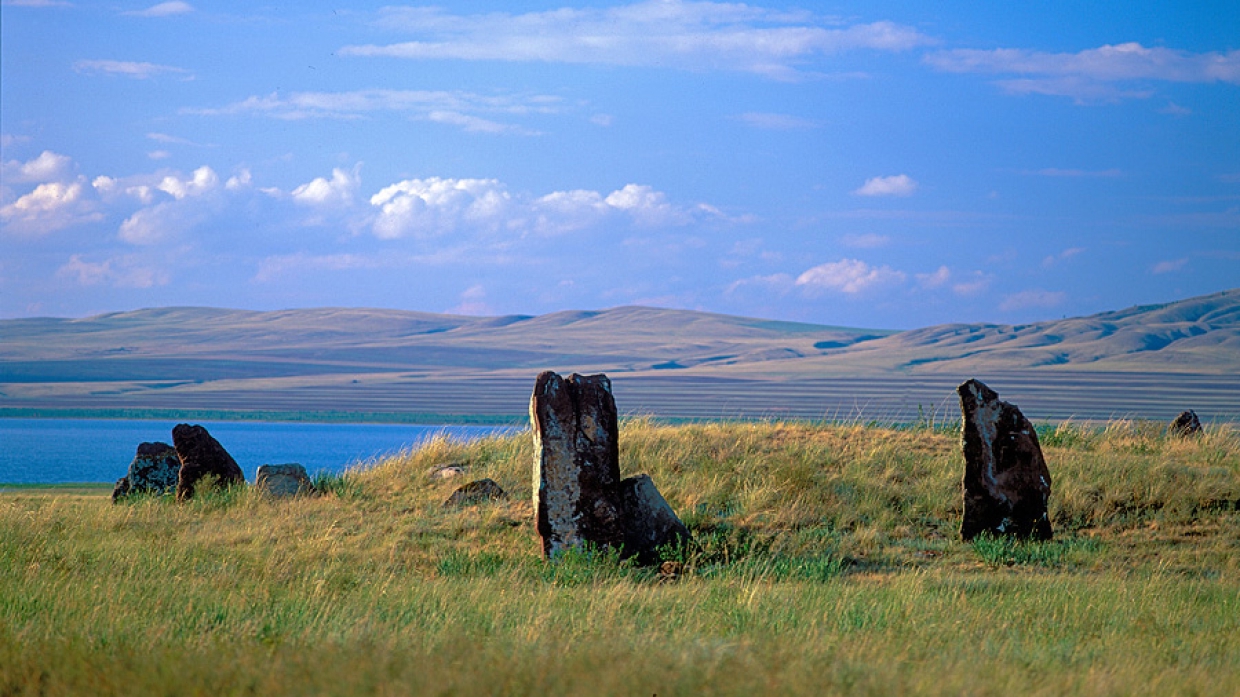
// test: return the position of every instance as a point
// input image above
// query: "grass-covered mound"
(828, 562)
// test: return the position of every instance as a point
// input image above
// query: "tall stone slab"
(1006, 482)
(200, 456)
(1185, 425)
(576, 479)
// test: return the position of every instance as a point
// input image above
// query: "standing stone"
(1006, 482)
(649, 522)
(1185, 425)
(576, 479)
(283, 481)
(154, 469)
(202, 455)
(476, 492)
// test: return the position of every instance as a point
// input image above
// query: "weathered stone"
(476, 492)
(579, 497)
(649, 523)
(202, 455)
(283, 481)
(1186, 424)
(120, 490)
(446, 470)
(1006, 482)
(154, 469)
(576, 463)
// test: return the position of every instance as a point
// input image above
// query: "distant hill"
(672, 362)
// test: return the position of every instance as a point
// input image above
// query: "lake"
(55, 451)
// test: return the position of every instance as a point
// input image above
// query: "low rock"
(202, 455)
(1185, 425)
(446, 470)
(283, 481)
(649, 522)
(476, 492)
(154, 469)
(1006, 482)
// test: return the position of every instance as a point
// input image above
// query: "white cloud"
(935, 280)
(897, 185)
(435, 206)
(159, 154)
(1066, 254)
(473, 302)
(1090, 75)
(1170, 266)
(849, 276)
(204, 180)
(240, 180)
(138, 70)
(454, 108)
(868, 240)
(1027, 299)
(776, 122)
(657, 33)
(48, 166)
(336, 192)
(164, 9)
(122, 272)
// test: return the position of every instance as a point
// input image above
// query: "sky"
(870, 164)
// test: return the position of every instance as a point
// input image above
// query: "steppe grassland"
(828, 562)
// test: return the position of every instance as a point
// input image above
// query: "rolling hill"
(668, 362)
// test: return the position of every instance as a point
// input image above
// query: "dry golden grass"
(828, 563)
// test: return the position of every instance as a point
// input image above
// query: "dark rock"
(202, 455)
(1006, 482)
(1186, 424)
(649, 523)
(283, 481)
(579, 497)
(121, 490)
(476, 492)
(577, 462)
(154, 469)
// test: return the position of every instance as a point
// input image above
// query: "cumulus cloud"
(164, 9)
(1027, 299)
(939, 278)
(849, 276)
(1093, 74)
(336, 192)
(202, 181)
(57, 200)
(437, 206)
(137, 70)
(662, 33)
(897, 185)
(472, 112)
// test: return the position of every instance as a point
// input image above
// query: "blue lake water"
(54, 451)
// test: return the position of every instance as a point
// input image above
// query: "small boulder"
(202, 455)
(649, 522)
(476, 492)
(282, 481)
(1185, 425)
(446, 470)
(154, 469)
(1006, 482)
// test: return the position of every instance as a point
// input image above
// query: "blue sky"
(862, 164)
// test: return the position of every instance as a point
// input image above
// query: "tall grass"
(827, 561)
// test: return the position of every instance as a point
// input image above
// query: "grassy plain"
(828, 563)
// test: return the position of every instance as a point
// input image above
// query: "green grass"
(828, 561)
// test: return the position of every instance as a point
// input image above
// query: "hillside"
(1148, 360)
